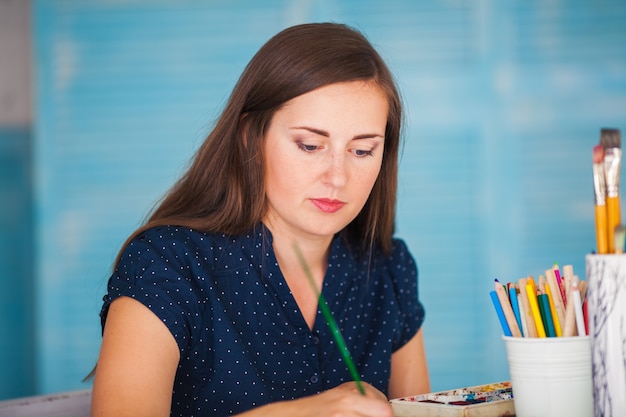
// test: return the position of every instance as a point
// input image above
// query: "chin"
(326, 228)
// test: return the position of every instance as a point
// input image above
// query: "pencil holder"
(606, 303)
(551, 376)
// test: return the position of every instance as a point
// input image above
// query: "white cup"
(606, 306)
(550, 377)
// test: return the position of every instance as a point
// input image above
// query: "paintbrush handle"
(613, 220)
(330, 321)
(341, 344)
(602, 228)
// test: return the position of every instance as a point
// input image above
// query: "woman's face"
(323, 153)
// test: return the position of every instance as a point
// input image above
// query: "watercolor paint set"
(495, 399)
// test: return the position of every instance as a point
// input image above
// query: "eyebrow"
(327, 134)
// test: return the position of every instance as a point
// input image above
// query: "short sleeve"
(404, 277)
(154, 271)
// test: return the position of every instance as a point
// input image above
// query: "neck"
(315, 252)
(314, 248)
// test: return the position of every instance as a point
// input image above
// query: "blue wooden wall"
(504, 100)
(17, 259)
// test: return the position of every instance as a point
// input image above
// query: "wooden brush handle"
(613, 220)
(602, 237)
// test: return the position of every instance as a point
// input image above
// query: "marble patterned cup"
(606, 306)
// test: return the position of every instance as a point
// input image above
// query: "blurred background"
(103, 102)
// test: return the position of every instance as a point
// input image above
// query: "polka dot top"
(243, 341)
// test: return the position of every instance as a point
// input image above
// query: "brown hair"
(223, 189)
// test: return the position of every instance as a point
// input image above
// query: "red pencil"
(586, 316)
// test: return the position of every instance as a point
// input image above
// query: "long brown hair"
(223, 189)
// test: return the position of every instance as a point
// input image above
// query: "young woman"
(209, 312)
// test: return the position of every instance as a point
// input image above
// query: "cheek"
(367, 177)
(364, 183)
(283, 175)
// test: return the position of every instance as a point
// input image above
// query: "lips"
(327, 205)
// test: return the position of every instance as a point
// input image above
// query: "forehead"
(349, 90)
(362, 102)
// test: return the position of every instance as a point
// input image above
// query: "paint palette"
(488, 400)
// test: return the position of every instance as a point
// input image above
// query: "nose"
(337, 170)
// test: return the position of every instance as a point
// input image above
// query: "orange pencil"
(542, 285)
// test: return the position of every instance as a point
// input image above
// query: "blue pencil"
(498, 307)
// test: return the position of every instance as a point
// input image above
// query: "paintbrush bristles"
(610, 138)
(598, 154)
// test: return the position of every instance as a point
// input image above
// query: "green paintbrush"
(330, 321)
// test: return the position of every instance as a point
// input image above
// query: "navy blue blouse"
(243, 341)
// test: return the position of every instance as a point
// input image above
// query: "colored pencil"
(496, 304)
(552, 309)
(582, 287)
(522, 315)
(568, 273)
(538, 308)
(559, 282)
(534, 306)
(578, 308)
(546, 315)
(514, 304)
(507, 309)
(528, 314)
(569, 326)
(556, 296)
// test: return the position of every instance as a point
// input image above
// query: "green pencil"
(330, 321)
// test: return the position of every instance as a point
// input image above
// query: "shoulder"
(178, 237)
(400, 266)
(400, 257)
(399, 249)
(172, 235)
(176, 243)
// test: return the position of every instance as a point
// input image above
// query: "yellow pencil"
(532, 299)
(530, 281)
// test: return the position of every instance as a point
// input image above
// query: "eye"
(307, 148)
(363, 152)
